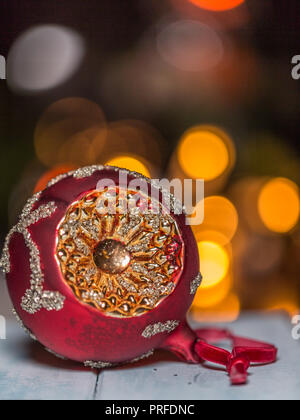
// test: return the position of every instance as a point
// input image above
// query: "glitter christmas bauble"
(102, 274)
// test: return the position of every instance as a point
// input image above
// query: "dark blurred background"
(171, 88)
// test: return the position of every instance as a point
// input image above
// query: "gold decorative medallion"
(123, 262)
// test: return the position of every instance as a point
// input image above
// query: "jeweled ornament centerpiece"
(100, 281)
(111, 256)
(102, 275)
(123, 261)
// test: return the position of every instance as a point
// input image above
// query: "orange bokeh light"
(131, 164)
(217, 279)
(63, 121)
(214, 263)
(228, 310)
(85, 147)
(279, 205)
(217, 5)
(46, 177)
(212, 296)
(289, 306)
(205, 153)
(220, 221)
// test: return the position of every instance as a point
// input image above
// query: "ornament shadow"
(40, 356)
(37, 353)
(159, 357)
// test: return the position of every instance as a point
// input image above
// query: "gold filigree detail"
(123, 263)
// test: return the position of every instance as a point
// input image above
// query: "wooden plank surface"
(28, 372)
(163, 377)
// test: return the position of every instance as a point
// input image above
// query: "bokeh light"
(131, 164)
(220, 221)
(257, 255)
(136, 137)
(244, 194)
(153, 83)
(84, 147)
(214, 263)
(212, 296)
(190, 45)
(217, 5)
(227, 310)
(65, 124)
(279, 205)
(44, 57)
(133, 139)
(184, 64)
(205, 153)
(237, 18)
(289, 305)
(52, 173)
(66, 108)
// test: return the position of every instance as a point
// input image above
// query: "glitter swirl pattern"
(122, 263)
(35, 298)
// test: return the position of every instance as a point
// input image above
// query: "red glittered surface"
(79, 331)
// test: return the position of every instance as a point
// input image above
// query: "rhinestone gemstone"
(112, 256)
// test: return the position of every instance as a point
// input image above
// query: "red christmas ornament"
(97, 276)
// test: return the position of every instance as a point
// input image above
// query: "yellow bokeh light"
(130, 163)
(203, 154)
(217, 5)
(292, 308)
(279, 205)
(210, 297)
(214, 261)
(85, 147)
(52, 173)
(228, 310)
(61, 124)
(134, 137)
(220, 221)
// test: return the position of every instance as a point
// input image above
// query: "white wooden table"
(28, 372)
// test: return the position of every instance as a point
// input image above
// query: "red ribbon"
(237, 363)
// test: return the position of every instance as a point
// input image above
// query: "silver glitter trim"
(35, 298)
(55, 354)
(29, 205)
(196, 283)
(78, 174)
(27, 330)
(144, 356)
(175, 205)
(105, 365)
(98, 365)
(87, 171)
(5, 257)
(160, 327)
(59, 178)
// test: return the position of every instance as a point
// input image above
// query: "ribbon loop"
(237, 363)
(237, 368)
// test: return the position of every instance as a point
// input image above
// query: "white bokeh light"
(44, 57)
(190, 45)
